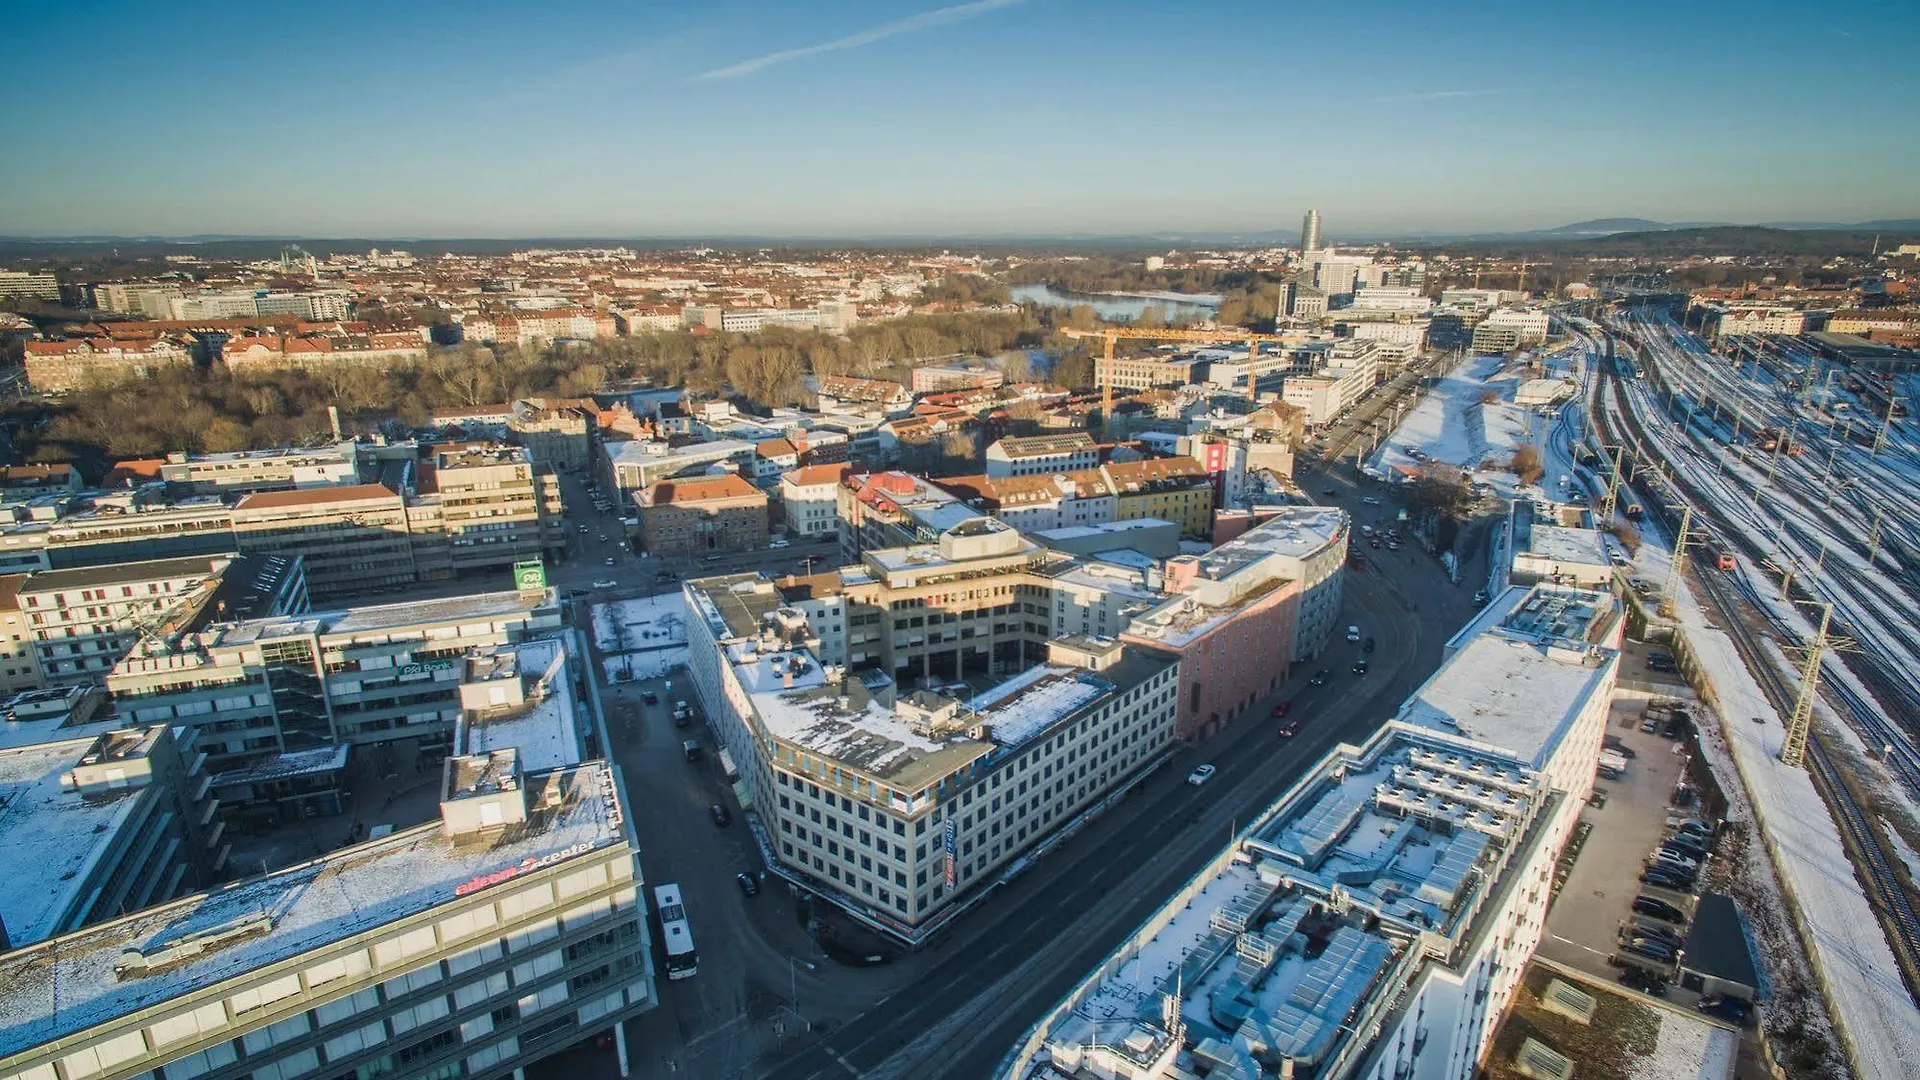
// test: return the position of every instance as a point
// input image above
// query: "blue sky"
(992, 117)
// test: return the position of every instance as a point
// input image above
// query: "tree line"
(217, 410)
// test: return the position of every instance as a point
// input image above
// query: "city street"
(767, 1002)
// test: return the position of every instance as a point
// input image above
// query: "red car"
(1289, 729)
(1283, 708)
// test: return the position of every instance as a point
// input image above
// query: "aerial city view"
(1015, 540)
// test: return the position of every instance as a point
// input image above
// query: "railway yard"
(1792, 486)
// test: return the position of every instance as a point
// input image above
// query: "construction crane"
(1113, 334)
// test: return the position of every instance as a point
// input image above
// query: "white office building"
(1373, 923)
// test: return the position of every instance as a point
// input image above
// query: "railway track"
(1866, 849)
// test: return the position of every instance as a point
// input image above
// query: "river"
(1115, 307)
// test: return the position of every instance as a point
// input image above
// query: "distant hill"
(1737, 240)
(1606, 227)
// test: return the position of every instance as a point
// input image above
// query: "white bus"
(675, 935)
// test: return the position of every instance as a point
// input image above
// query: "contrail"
(923, 21)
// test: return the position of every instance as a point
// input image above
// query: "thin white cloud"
(1441, 95)
(926, 20)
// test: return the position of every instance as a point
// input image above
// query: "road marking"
(848, 1065)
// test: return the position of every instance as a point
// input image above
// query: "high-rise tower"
(1310, 231)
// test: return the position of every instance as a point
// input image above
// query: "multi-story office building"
(1039, 503)
(894, 509)
(371, 674)
(353, 537)
(1042, 455)
(1529, 325)
(808, 500)
(702, 514)
(1146, 372)
(124, 527)
(483, 506)
(249, 471)
(82, 621)
(1391, 298)
(1373, 923)
(897, 806)
(28, 284)
(1310, 232)
(101, 825)
(1324, 396)
(557, 433)
(472, 946)
(959, 374)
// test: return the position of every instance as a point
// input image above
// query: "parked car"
(1319, 678)
(1652, 950)
(691, 748)
(748, 884)
(650, 698)
(777, 542)
(719, 815)
(1619, 746)
(1480, 598)
(1353, 633)
(1283, 708)
(606, 583)
(1359, 667)
(1656, 932)
(1635, 978)
(1727, 1008)
(1200, 775)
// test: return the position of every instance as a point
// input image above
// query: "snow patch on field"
(643, 623)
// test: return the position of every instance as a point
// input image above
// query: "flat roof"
(1564, 545)
(53, 837)
(87, 577)
(1511, 692)
(68, 984)
(545, 730)
(1316, 911)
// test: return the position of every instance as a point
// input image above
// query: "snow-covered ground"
(1452, 425)
(1856, 965)
(642, 638)
(640, 624)
(651, 664)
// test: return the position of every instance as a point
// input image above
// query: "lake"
(1114, 307)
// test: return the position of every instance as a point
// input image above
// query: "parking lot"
(1627, 820)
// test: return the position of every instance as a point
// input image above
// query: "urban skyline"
(938, 120)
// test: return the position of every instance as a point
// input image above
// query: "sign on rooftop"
(530, 576)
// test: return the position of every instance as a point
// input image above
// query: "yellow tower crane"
(1104, 367)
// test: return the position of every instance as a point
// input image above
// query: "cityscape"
(952, 605)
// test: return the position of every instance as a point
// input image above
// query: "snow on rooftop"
(53, 837)
(544, 730)
(1035, 700)
(283, 765)
(794, 702)
(1561, 544)
(1514, 694)
(68, 984)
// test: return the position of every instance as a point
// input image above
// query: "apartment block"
(702, 514)
(29, 284)
(901, 807)
(1374, 921)
(893, 509)
(473, 946)
(126, 527)
(56, 367)
(292, 683)
(957, 375)
(631, 465)
(1177, 489)
(101, 825)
